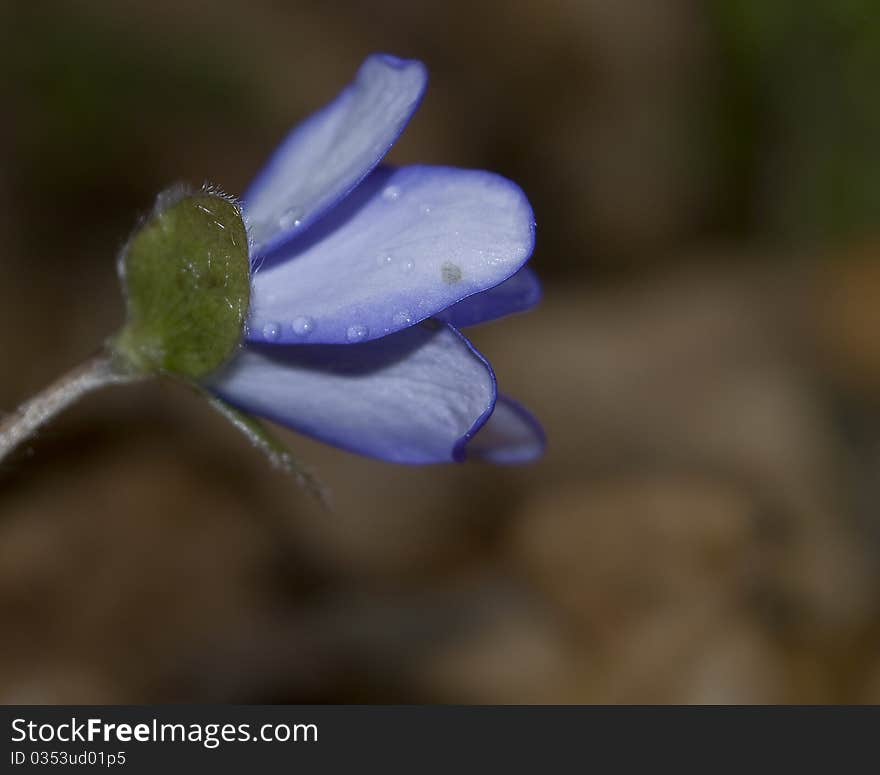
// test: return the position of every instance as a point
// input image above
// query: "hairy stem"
(277, 454)
(21, 424)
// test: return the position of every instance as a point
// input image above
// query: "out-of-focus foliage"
(799, 115)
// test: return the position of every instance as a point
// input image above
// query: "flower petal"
(415, 397)
(406, 244)
(326, 156)
(516, 294)
(512, 435)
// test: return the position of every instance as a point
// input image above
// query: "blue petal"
(415, 397)
(331, 152)
(406, 244)
(512, 435)
(516, 294)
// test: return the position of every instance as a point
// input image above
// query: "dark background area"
(706, 362)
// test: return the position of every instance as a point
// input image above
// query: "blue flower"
(362, 275)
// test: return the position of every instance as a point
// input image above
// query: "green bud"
(186, 275)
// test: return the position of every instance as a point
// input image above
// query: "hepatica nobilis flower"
(330, 300)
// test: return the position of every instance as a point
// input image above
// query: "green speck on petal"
(186, 275)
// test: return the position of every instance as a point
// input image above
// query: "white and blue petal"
(516, 294)
(326, 156)
(512, 435)
(405, 245)
(416, 397)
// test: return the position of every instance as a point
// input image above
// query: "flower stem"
(98, 371)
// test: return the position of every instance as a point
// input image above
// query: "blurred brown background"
(704, 526)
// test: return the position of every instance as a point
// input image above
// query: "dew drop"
(401, 318)
(426, 209)
(271, 331)
(356, 333)
(303, 325)
(408, 266)
(391, 194)
(290, 220)
(384, 259)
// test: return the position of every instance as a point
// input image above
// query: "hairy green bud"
(186, 276)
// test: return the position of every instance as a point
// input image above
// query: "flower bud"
(186, 277)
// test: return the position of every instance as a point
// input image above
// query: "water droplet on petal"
(391, 193)
(408, 266)
(402, 318)
(303, 325)
(290, 220)
(271, 331)
(384, 259)
(426, 209)
(356, 333)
